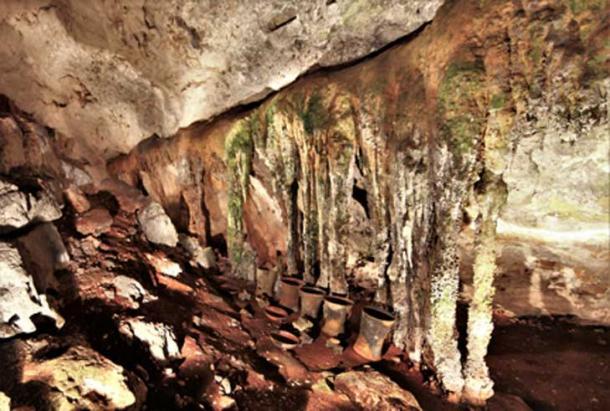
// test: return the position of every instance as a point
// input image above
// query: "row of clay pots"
(375, 323)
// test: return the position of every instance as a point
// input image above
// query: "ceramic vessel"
(375, 325)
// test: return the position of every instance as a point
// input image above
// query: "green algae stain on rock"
(462, 108)
(314, 115)
(239, 149)
(580, 6)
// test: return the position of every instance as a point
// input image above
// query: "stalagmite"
(478, 385)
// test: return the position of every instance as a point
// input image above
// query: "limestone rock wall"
(381, 175)
(540, 76)
(110, 74)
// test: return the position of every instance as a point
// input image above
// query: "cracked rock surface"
(112, 75)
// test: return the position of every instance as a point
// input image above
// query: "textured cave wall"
(382, 175)
(110, 74)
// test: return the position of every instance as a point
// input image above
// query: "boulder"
(19, 299)
(43, 252)
(17, 209)
(372, 390)
(157, 338)
(157, 226)
(81, 379)
(5, 402)
(203, 257)
(94, 222)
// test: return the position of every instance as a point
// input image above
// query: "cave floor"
(545, 363)
(553, 364)
(224, 335)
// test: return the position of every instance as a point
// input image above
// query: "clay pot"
(375, 324)
(285, 339)
(336, 311)
(289, 292)
(276, 314)
(311, 299)
(265, 281)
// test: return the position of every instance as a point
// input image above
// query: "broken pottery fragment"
(156, 225)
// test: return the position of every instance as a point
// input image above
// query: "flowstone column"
(478, 385)
(442, 334)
